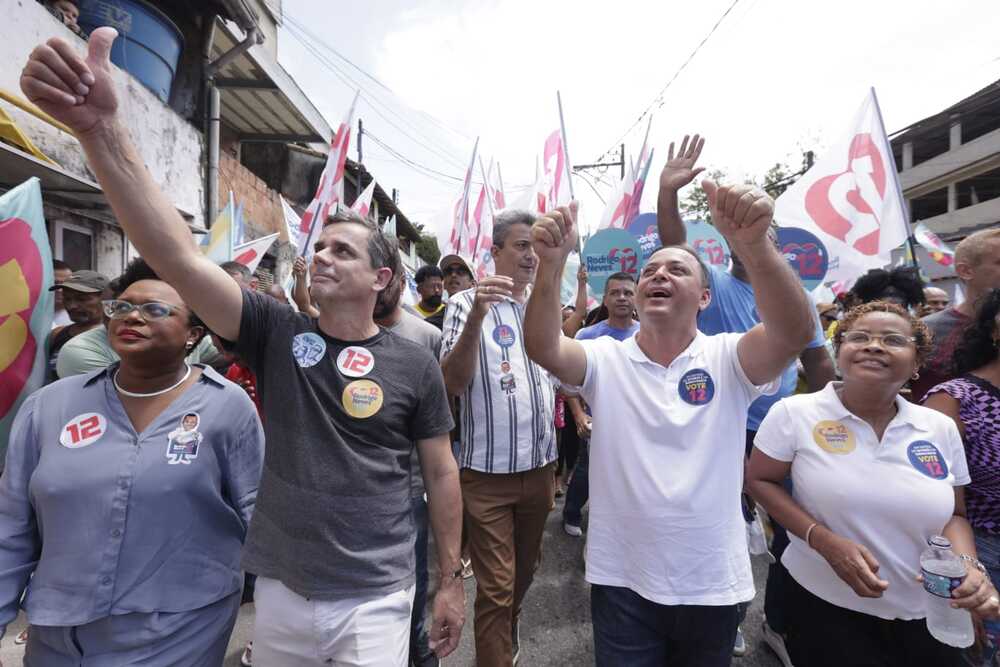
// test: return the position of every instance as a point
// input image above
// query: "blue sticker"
(926, 458)
(308, 349)
(696, 387)
(504, 335)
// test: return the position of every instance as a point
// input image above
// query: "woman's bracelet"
(809, 531)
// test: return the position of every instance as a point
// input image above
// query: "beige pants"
(506, 518)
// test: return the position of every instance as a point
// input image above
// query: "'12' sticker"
(362, 399)
(355, 361)
(83, 430)
(696, 387)
(926, 458)
(504, 335)
(833, 437)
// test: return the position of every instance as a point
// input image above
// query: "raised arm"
(81, 94)
(575, 321)
(743, 215)
(459, 365)
(677, 172)
(553, 238)
(300, 290)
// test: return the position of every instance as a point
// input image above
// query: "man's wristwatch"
(976, 564)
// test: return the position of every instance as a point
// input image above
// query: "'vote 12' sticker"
(926, 458)
(83, 430)
(355, 361)
(362, 399)
(308, 349)
(696, 387)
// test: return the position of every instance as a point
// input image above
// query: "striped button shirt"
(506, 413)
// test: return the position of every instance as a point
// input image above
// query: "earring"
(915, 376)
(188, 346)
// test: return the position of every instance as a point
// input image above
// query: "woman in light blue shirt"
(126, 498)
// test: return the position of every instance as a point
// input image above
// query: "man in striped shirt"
(508, 450)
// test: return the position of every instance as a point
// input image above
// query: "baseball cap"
(84, 281)
(451, 259)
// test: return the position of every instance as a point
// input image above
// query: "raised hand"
(553, 236)
(299, 267)
(581, 275)
(742, 213)
(75, 91)
(680, 168)
(852, 562)
(489, 291)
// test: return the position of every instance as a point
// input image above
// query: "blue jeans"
(579, 487)
(631, 630)
(420, 652)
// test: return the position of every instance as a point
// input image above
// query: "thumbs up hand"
(76, 91)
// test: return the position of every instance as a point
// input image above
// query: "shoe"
(570, 529)
(247, 658)
(22, 637)
(515, 642)
(467, 568)
(740, 647)
(776, 643)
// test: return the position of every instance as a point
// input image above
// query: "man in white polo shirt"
(666, 553)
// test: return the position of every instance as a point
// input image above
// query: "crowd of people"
(201, 442)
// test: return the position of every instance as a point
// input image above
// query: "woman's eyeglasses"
(893, 340)
(117, 309)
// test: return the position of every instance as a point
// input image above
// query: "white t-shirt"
(890, 496)
(666, 470)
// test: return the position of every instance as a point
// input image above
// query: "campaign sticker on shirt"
(83, 430)
(308, 349)
(184, 441)
(362, 399)
(504, 335)
(696, 387)
(508, 384)
(504, 367)
(926, 458)
(355, 361)
(834, 437)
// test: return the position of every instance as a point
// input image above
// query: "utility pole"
(361, 133)
(596, 165)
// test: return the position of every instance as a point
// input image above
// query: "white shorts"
(291, 631)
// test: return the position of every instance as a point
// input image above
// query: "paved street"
(555, 629)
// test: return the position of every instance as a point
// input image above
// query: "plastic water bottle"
(943, 572)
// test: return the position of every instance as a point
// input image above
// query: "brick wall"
(261, 206)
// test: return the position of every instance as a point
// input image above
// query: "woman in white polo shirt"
(874, 477)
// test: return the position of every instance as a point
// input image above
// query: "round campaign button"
(355, 361)
(83, 430)
(362, 399)
(504, 335)
(806, 254)
(927, 459)
(833, 437)
(696, 387)
(308, 349)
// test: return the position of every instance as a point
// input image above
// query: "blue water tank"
(149, 44)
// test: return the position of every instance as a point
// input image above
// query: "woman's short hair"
(978, 345)
(903, 279)
(138, 270)
(921, 334)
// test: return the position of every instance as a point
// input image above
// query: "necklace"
(135, 394)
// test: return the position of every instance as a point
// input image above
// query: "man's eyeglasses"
(893, 340)
(117, 309)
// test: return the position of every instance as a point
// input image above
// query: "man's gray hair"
(380, 251)
(505, 219)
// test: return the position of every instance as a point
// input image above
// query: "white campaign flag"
(291, 221)
(249, 254)
(851, 199)
(363, 204)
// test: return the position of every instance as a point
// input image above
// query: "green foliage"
(695, 204)
(427, 246)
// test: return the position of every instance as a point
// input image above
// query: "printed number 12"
(87, 428)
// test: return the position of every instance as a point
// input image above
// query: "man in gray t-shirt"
(391, 315)
(344, 401)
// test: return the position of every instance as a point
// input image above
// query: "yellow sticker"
(362, 399)
(833, 437)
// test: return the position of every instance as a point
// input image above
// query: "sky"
(775, 78)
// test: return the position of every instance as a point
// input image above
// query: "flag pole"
(904, 209)
(569, 168)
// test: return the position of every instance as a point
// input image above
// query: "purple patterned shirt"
(979, 410)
